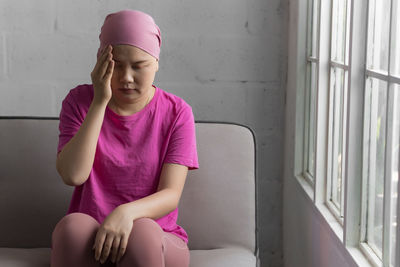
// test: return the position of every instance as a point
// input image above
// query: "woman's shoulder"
(173, 102)
(81, 94)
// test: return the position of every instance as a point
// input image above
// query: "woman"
(126, 145)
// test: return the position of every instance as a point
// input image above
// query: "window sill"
(329, 222)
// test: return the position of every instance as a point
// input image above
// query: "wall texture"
(226, 58)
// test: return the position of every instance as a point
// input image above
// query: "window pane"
(339, 87)
(315, 27)
(312, 117)
(376, 162)
(307, 119)
(378, 35)
(396, 39)
(339, 26)
(394, 172)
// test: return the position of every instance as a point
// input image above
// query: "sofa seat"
(40, 257)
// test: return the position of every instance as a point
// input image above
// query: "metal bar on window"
(394, 79)
(306, 118)
(336, 125)
(354, 134)
(387, 197)
(387, 178)
(381, 75)
(316, 25)
(339, 65)
(322, 105)
(309, 29)
(311, 154)
(312, 59)
(316, 11)
(308, 93)
(344, 141)
(347, 30)
(366, 167)
(398, 215)
(330, 139)
(371, 161)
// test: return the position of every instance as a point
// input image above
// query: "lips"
(127, 90)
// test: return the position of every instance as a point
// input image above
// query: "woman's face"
(134, 69)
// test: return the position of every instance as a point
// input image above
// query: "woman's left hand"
(113, 235)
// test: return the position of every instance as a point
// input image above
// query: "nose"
(126, 75)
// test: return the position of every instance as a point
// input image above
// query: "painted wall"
(226, 58)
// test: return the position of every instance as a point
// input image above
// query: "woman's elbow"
(67, 178)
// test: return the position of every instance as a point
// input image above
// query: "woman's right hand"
(101, 76)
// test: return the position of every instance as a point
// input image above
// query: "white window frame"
(390, 80)
(311, 59)
(349, 234)
(345, 66)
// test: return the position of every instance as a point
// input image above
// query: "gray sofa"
(217, 208)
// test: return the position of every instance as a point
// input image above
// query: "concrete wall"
(226, 58)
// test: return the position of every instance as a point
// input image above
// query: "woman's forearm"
(75, 161)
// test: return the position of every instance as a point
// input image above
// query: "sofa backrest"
(217, 208)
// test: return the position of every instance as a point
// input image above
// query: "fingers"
(100, 237)
(106, 248)
(102, 62)
(122, 247)
(115, 247)
(110, 69)
(105, 66)
(100, 59)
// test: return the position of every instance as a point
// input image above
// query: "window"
(338, 105)
(381, 130)
(352, 66)
(311, 90)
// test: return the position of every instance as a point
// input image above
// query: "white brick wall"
(226, 58)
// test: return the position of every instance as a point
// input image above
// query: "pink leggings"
(148, 245)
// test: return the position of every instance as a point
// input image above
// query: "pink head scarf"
(131, 27)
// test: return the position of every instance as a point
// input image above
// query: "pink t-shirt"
(130, 152)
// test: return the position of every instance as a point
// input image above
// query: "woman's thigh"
(72, 240)
(176, 251)
(149, 245)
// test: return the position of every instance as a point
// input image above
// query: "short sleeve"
(70, 122)
(182, 147)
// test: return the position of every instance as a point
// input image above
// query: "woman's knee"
(74, 226)
(144, 229)
(145, 245)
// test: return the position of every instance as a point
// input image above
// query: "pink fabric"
(131, 27)
(131, 151)
(148, 245)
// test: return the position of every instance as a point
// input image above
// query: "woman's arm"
(75, 161)
(167, 197)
